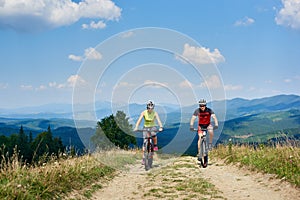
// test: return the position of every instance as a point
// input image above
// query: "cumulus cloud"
(89, 53)
(202, 55)
(246, 21)
(127, 34)
(92, 54)
(212, 82)
(233, 87)
(26, 87)
(3, 85)
(75, 79)
(33, 15)
(185, 84)
(41, 87)
(69, 83)
(94, 25)
(289, 15)
(75, 58)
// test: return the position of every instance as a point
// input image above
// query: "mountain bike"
(148, 146)
(203, 148)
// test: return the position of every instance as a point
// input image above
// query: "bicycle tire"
(148, 156)
(205, 161)
(150, 160)
(147, 161)
(203, 153)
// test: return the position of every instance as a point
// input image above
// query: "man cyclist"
(149, 116)
(204, 115)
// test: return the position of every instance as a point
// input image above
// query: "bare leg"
(199, 145)
(155, 140)
(211, 133)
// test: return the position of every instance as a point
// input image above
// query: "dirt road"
(181, 178)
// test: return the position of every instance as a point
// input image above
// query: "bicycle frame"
(148, 147)
(148, 152)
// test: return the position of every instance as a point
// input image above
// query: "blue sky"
(252, 47)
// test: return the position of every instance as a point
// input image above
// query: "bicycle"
(203, 148)
(148, 147)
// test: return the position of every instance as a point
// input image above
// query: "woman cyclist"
(150, 116)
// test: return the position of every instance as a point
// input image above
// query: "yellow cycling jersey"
(149, 118)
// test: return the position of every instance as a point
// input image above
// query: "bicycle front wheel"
(148, 160)
(203, 153)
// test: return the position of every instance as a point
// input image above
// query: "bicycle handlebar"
(148, 130)
(202, 129)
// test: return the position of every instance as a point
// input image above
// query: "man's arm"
(192, 122)
(215, 120)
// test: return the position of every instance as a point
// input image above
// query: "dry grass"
(59, 177)
(283, 161)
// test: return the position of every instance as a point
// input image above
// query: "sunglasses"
(202, 105)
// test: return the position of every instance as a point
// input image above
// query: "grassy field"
(60, 177)
(283, 161)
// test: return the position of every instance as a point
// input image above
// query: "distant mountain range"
(244, 118)
(234, 108)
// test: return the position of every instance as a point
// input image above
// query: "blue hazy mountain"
(263, 117)
(234, 108)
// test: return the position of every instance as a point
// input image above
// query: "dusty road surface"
(182, 178)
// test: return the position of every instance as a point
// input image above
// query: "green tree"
(114, 131)
(23, 146)
(45, 145)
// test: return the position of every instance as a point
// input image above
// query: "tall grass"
(57, 178)
(283, 161)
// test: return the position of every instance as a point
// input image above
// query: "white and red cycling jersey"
(203, 116)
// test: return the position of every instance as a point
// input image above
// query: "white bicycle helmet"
(202, 102)
(150, 104)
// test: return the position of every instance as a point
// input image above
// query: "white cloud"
(185, 84)
(92, 54)
(93, 25)
(70, 82)
(289, 15)
(33, 15)
(233, 87)
(202, 55)
(287, 80)
(89, 53)
(246, 21)
(26, 87)
(3, 85)
(52, 84)
(123, 85)
(75, 79)
(127, 34)
(75, 58)
(212, 82)
(41, 87)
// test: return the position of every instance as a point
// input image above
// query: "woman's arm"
(158, 120)
(139, 121)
